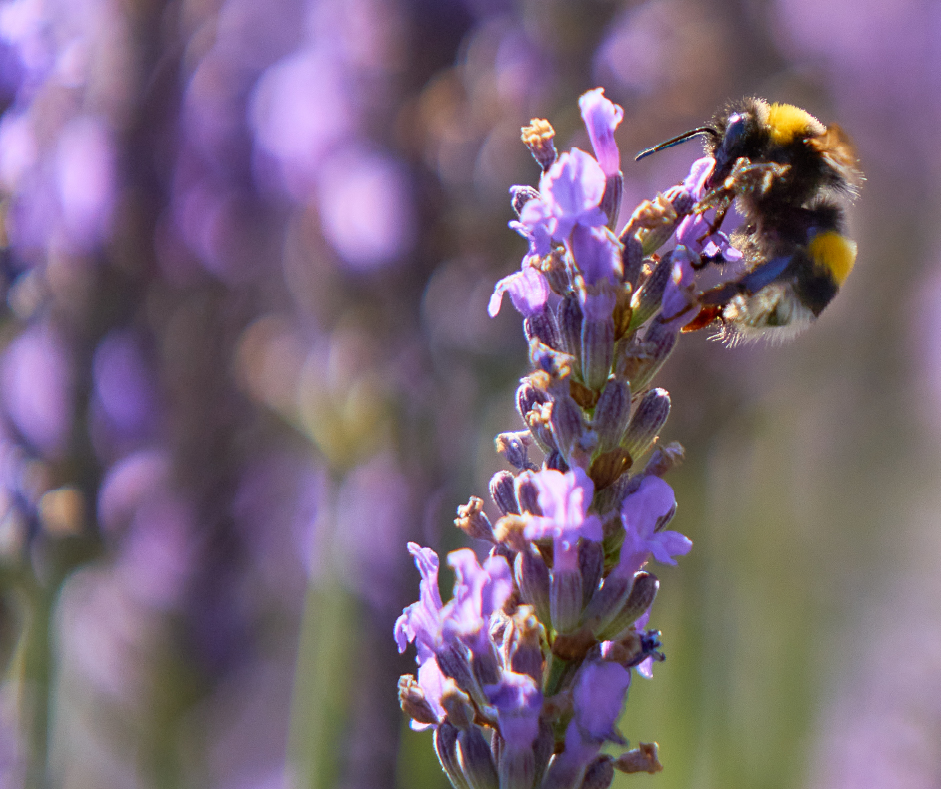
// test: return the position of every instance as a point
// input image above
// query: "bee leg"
(706, 316)
(705, 260)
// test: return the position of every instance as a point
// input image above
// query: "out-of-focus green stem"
(36, 673)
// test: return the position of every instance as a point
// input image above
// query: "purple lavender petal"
(695, 182)
(601, 118)
(420, 622)
(641, 512)
(572, 190)
(478, 592)
(432, 682)
(518, 701)
(564, 500)
(534, 227)
(678, 296)
(596, 253)
(598, 306)
(598, 697)
(528, 291)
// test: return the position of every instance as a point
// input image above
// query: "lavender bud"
(516, 767)
(565, 600)
(515, 448)
(524, 643)
(543, 749)
(503, 494)
(597, 343)
(646, 301)
(632, 258)
(658, 343)
(457, 706)
(521, 195)
(527, 494)
(608, 467)
(568, 424)
(612, 414)
(642, 759)
(528, 397)
(538, 137)
(611, 200)
(557, 271)
(591, 566)
(570, 324)
(476, 760)
(645, 424)
(663, 459)
(643, 593)
(486, 666)
(533, 580)
(542, 327)
(446, 748)
(534, 405)
(600, 773)
(607, 602)
(473, 521)
(557, 462)
(412, 701)
(453, 662)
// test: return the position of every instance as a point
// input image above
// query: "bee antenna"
(677, 140)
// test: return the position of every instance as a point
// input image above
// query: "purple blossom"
(570, 194)
(528, 291)
(598, 698)
(479, 591)
(601, 118)
(695, 182)
(421, 621)
(596, 252)
(695, 231)
(564, 500)
(518, 701)
(535, 230)
(679, 294)
(432, 682)
(645, 667)
(599, 694)
(444, 634)
(641, 512)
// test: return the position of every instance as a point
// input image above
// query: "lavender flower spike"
(542, 656)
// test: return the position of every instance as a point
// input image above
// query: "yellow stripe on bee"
(834, 252)
(787, 122)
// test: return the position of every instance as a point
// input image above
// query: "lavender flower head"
(524, 673)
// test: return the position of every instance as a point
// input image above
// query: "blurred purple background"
(247, 251)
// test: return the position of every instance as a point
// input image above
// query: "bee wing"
(837, 150)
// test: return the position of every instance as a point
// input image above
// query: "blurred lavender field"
(247, 252)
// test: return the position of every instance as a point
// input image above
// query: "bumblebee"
(791, 178)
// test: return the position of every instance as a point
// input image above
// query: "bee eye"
(735, 130)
